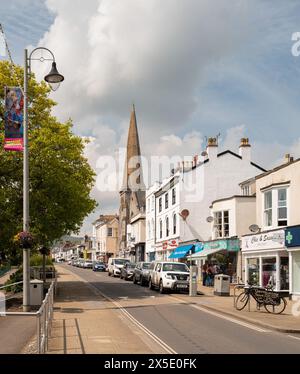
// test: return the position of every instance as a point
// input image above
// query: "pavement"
(85, 322)
(285, 322)
(15, 331)
(170, 323)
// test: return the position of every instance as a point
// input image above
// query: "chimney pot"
(245, 142)
(212, 142)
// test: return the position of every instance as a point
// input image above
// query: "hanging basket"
(24, 239)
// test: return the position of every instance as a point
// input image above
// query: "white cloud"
(193, 68)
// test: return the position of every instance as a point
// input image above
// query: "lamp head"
(54, 79)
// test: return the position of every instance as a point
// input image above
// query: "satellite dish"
(184, 214)
(254, 228)
(210, 219)
(204, 153)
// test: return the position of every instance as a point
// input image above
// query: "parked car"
(87, 264)
(80, 263)
(60, 260)
(99, 266)
(127, 271)
(141, 273)
(169, 276)
(115, 265)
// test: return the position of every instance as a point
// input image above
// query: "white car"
(169, 276)
(87, 264)
(115, 265)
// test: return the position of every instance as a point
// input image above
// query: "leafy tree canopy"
(60, 177)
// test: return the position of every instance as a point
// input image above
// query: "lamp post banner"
(13, 117)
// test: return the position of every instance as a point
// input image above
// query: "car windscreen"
(120, 261)
(131, 266)
(146, 265)
(175, 267)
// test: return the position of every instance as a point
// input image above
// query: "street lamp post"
(53, 79)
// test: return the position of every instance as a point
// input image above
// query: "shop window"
(253, 271)
(269, 271)
(284, 273)
(282, 207)
(268, 208)
(296, 272)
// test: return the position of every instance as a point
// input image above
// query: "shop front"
(266, 260)
(164, 249)
(219, 255)
(292, 243)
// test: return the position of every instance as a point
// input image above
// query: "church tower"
(132, 194)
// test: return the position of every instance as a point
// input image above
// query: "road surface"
(186, 328)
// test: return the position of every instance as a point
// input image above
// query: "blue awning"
(181, 251)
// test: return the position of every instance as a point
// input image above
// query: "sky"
(193, 69)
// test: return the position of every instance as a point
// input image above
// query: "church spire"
(133, 157)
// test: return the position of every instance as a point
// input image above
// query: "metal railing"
(44, 317)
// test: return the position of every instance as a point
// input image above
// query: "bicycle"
(271, 300)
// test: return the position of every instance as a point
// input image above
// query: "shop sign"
(170, 244)
(264, 241)
(292, 237)
(226, 244)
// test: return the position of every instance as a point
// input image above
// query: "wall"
(216, 179)
(289, 173)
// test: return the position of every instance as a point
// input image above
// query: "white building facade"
(272, 255)
(167, 219)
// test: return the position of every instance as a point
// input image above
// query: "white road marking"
(238, 322)
(156, 339)
(294, 337)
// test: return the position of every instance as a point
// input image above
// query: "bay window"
(275, 208)
(221, 220)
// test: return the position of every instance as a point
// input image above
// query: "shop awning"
(181, 251)
(203, 254)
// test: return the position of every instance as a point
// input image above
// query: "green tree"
(60, 177)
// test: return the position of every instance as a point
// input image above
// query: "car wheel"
(142, 282)
(134, 280)
(161, 287)
(109, 274)
(150, 285)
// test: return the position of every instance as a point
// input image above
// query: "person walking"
(204, 273)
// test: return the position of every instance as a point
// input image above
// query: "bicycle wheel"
(242, 300)
(278, 308)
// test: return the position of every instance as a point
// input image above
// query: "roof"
(223, 154)
(233, 197)
(285, 165)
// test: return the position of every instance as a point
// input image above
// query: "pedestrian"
(204, 273)
(209, 276)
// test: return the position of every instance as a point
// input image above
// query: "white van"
(115, 265)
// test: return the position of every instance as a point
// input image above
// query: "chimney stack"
(245, 149)
(212, 148)
(288, 158)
